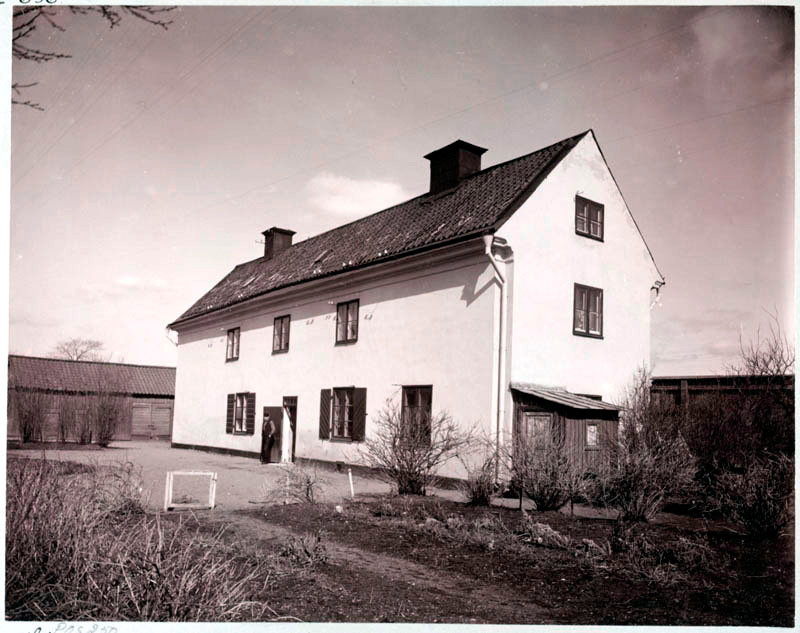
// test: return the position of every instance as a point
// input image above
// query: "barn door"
(141, 420)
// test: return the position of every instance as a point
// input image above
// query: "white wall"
(434, 326)
(549, 257)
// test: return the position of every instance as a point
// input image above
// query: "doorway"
(276, 415)
(290, 407)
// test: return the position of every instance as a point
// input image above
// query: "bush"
(296, 484)
(29, 409)
(546, 471)
(409, 452)
(758, 500)
(305, 550)
(649, 458)
(80, 547)
(480, 486)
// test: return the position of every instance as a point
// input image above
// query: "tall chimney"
(276, 240)
(452, 163)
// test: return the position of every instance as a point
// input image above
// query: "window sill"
(231, 360)
(280, 351)
(350, 342)
(587, 334)
(241, 433)
(591, 448)
(343, 440)
(590, 236)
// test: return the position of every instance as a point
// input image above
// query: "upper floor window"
(232, 348)
(280, 334)
(588, 312)
(347, 321)
(589, 218)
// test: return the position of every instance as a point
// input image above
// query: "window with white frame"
(347, 322)
(232, 347)
(343, 413)
(280, 334)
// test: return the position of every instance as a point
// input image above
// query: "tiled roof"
(476, 204)
(563, 397)
(71, 375)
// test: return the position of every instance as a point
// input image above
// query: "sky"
(161, 155)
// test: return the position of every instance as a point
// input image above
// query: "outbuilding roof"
(563, 397)
(31, 372)
(478, 203)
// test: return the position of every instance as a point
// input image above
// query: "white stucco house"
(507, 296)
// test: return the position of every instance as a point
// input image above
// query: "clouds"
(350, 198)
(124, 286)
(741, 48)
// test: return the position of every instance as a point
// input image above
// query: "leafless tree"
(80, 349)
(408, 453)
(28, 19)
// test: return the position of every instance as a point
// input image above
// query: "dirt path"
(505, 606)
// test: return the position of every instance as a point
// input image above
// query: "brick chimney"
(452, 163)
(276, 240)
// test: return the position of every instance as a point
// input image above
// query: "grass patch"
(80, 545)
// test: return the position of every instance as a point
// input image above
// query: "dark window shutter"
(231, 407)
(250, 419)
(359, 414)
(325, 414)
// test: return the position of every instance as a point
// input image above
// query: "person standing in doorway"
(267, 437)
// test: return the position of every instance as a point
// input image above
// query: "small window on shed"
(591, 435)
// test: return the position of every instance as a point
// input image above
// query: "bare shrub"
(107, 408)
(306, 550)
(29, 408)
(648, 460)
(408, 453)
(68, 418)
(480, 485)
(546, 470)
(759, 499)
(295, 483)
(78, 547)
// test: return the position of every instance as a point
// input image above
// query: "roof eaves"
(381, 260)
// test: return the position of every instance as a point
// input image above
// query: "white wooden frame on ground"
(212, 490)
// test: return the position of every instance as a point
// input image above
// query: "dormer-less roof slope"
(477, 204)
(29, 372)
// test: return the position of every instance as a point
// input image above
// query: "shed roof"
(477, 204)
(563, 397)
(81, 376)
